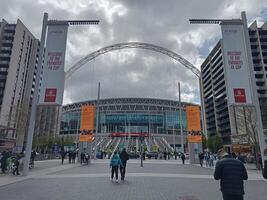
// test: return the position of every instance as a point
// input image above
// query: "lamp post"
(141, 138)
(40, 69)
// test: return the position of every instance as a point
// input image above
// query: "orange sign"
(194, 138)
(193, 118)
(87, 117)
(86, 138)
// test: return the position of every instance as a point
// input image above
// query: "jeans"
(114, 169)
(232, 197)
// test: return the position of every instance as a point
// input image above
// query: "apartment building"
(214, 79)
(18, 65)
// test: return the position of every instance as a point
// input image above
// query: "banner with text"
(53, 78)
(87, 117)
(236, 64)
(193, 118)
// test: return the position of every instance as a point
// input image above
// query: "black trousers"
(232, 197)
(122, 171)
(116, 170)
(16, 170)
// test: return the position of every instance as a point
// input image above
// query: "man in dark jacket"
(201, 158)
(124, 157)
(231, 172)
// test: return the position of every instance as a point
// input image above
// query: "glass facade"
(129, 122)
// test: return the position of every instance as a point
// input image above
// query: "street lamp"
(141, 138)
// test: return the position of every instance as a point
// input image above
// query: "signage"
(50, 95)
(240, 95)
(194, 138)
(87, 117)
(53, 78)
(236, 65)
(86, 138)
(193, 118)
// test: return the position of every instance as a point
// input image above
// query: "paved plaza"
(157, 180)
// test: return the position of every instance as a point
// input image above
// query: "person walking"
(16, 165)
(87, 158)
(165, 155)
(183, 158)
(231, 173)
(201, 158)
(82, 158)
(124, 157)
(115, 163)
(63, 154)
(70, 156)
(73, 157)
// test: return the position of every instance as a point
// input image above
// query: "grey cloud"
(164, 23)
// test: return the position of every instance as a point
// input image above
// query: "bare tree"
(244, 128)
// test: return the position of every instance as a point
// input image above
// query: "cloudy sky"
(134, 72)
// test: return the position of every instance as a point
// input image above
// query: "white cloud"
(134, 72)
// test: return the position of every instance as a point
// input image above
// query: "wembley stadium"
(122, 121)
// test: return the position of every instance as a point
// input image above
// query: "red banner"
(240, 95)
(50, 95)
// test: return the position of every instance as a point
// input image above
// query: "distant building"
(216, 99)
(18, 64)
(47, 121)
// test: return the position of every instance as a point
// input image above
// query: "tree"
(218, 144)
(214, 143)
(210, 143)
(245, 122)
(204, 141)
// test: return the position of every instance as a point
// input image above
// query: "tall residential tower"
(18, 61)
(215, 81)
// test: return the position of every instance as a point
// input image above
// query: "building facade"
(214, 79)
(47, 120)
(131, 116)
(18, 64)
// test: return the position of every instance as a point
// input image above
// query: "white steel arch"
(146, 46)
(138, 45)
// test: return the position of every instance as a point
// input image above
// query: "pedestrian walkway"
(42, 168)
(157, 180)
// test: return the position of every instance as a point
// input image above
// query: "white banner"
(236, 66)
(53, 77)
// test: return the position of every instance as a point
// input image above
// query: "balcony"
(220, 116)
(5, 48)
(7, 41)
(262, 95)
(219, 110)
(219, 75)
(255, 43)
(4, 62)
(207, 88)
(223, 121)
(8, 34)
(4, 55)
(262, 88)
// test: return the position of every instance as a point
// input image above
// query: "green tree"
(217, 142)
(204, 141)
(214, 143)
(210, 143)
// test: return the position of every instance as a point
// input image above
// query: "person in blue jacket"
(115, 163)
